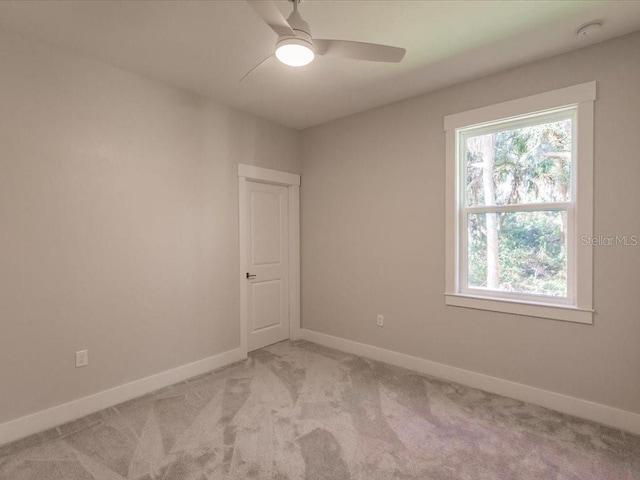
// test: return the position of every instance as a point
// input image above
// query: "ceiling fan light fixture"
(295, 52)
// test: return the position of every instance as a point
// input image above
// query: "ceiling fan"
(296, 47)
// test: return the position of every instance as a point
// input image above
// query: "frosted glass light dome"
(295, 52)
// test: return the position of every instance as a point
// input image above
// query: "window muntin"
(516, 210)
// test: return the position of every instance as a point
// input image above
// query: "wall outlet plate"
(380, 321)
(82, 358)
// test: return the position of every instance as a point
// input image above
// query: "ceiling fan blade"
(256, 67)
(272, 16)
(359, 50)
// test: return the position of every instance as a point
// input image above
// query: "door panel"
(268, 260)
(266, 240)
(266, 306)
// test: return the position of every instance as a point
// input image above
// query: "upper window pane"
(527, 164)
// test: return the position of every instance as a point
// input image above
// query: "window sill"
(540, 310)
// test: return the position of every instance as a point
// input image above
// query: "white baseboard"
(614, 417)
(45, 419)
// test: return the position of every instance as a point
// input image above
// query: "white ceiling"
(207, 46)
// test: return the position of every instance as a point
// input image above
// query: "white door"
(267, 264)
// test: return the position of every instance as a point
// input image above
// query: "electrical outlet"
(380, 321)
(82, 358)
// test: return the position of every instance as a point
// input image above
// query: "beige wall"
(118, 213)
(373, 198)
(119, 230)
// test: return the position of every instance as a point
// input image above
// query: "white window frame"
(578, 305)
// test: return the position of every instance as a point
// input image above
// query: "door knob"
(250, 276)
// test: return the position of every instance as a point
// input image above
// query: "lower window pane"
(518, 252)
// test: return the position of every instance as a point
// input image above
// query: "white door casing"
(270, 250)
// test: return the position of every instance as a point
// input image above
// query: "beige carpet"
(301, 411)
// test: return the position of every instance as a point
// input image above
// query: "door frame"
(292, 182)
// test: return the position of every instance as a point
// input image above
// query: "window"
(519, 198)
